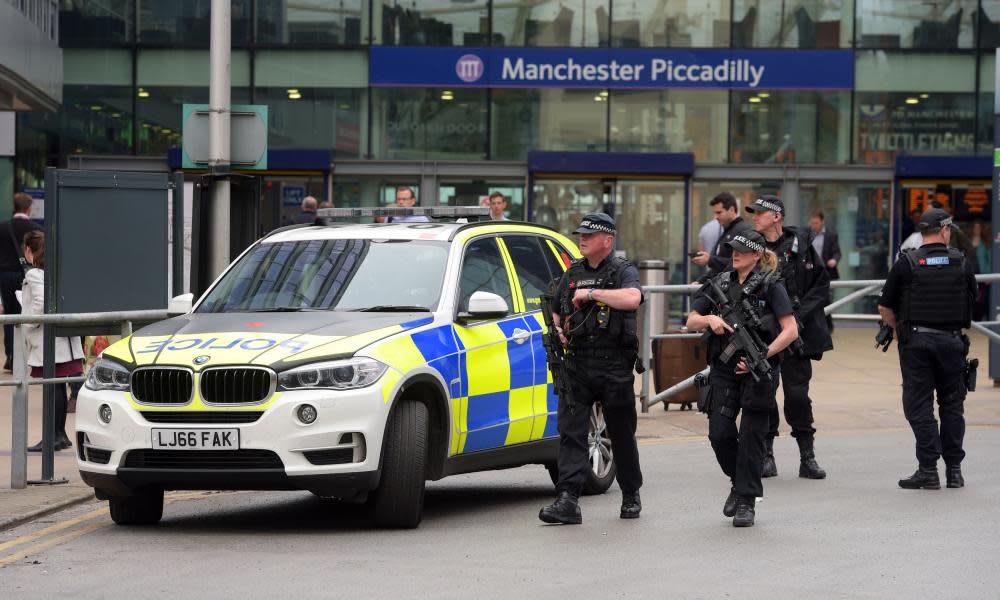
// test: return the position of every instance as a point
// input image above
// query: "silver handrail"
(20, 381)
(868, 287)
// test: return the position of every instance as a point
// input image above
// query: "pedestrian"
(827, 246)
(13, 266)
(69, 351)
(980, 240)
(727, 213)
(708, 235)
(307, 214)
(405, 198)
(927, 299)
(808, 285)
(594, 312)
(498, 204)
(740, 451)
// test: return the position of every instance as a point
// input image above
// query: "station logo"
(469, 68)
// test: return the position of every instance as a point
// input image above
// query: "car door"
(536, 263)
(496, 362)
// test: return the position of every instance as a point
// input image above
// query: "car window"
(483, 270)
(332, 274)
(527, 252)
(557, 264)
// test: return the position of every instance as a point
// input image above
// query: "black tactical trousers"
(740, 452)
(591, 384)
(934, 362)
(796, 371)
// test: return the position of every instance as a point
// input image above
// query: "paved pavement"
(854, 535)
(855, 389)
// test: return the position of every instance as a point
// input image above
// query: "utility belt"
(922, 329)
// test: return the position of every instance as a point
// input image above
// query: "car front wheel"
(144, 508)
(399, 500)
(601, 460)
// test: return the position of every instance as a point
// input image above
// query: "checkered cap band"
(754, 246)
(597, 226)
(767, 205)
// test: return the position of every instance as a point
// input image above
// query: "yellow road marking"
(43, 546)
(54, 528)
(94, 514)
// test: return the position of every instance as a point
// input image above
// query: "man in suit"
(827, 246)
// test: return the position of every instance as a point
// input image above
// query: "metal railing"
(866, 287)
(20, 381)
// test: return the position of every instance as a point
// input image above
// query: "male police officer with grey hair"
(927, 300)
(594, 311)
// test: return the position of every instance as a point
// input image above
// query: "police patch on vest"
(935, 260)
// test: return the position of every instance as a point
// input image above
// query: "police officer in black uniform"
(808, 284)
(927, 300)
(731, 390)
(594, 312)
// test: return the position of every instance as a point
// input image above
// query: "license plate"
(196, 439)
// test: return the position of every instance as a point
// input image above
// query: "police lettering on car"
(927, 300)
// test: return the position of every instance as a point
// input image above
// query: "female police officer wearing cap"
(731, 390)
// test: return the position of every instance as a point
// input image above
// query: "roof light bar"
(435, 212)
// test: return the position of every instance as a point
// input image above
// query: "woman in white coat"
(69, 351)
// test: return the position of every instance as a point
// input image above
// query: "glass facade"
(921, 85)
(792, 23)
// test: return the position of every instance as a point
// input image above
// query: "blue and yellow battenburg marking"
(506, 398)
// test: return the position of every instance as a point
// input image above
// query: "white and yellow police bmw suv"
(353, 361)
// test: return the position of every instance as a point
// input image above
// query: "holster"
(722, 399)
(971, 367)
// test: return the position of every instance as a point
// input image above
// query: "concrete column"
(792, 201)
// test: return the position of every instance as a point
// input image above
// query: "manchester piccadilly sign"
(611, 68)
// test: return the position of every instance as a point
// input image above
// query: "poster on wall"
(891, 124)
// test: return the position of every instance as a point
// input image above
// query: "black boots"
(954, 476)
(768, 468)
(631, 505)
(744, 512)
(808, 467)
(565, 510)
(729, 508)
(62, 442)
(925, 478)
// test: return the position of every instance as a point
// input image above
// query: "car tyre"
(600, 474)
(399, 500)
(144, 508)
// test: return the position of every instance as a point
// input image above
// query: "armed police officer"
(595, 314)
(927, 300)
(808, 285)
(736, 307)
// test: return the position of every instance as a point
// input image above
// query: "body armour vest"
(790, 259)
(597, 329)
(755, 289)
(936, 294)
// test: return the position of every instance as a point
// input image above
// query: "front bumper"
(351, 421)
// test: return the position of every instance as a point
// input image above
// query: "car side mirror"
(180, 305)
(486, 305)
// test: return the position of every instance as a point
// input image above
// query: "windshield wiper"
(281, 309)
(393, 308)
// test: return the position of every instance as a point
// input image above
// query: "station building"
(864, 109)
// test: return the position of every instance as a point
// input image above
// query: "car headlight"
(108, 375)
(334, 375)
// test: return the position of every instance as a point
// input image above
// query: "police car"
(355, 361)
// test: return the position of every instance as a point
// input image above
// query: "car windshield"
(372, 275)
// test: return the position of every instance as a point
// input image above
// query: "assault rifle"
(555, 354)
(744, 339)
